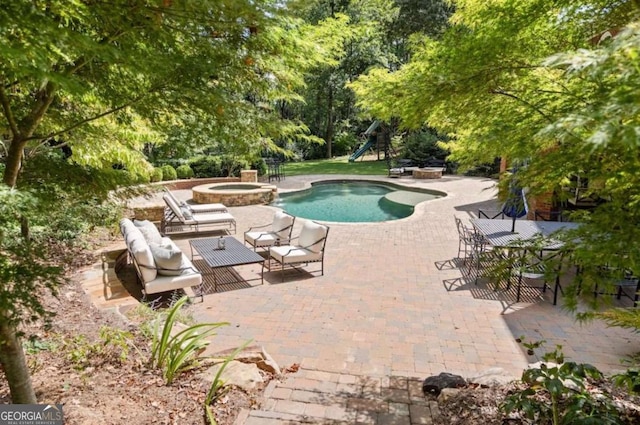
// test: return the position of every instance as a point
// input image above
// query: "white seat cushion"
(260, 239)
(169, 283)
(288, 254)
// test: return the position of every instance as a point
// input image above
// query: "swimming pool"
(353, 201)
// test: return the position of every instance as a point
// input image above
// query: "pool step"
(406, 197)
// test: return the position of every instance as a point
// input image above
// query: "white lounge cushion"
(282, 223)
(144, 259)
(204, 208)
(312, 236)
(149, 231)
(260, 239)
(289, 254)
(210, 218)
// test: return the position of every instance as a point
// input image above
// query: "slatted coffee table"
(233, 254)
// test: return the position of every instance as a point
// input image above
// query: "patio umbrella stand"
(516, 204)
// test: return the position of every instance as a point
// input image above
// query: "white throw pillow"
(168, 259)
(149, 231)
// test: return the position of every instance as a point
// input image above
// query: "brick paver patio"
(391, 309)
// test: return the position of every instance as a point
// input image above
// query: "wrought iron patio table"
(497, 233)
(233, 254)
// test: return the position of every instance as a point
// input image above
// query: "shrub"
(184, 171)
(156, 175)
(558, 393)
(422, 145)
(232, 166)
(168, 173)
(260, 165)
(142, 178)
(206, 166)
(344, 143)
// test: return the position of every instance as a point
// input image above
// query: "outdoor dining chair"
(475, 249)
(622, 281)
(469, 242)
(533, 265)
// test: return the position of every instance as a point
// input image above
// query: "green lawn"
(336, 166)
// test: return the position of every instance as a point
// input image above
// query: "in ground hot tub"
(235, 194)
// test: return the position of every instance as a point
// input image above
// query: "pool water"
(351, 202)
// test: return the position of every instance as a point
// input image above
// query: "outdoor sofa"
(160, 265)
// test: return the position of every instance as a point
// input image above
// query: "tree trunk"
(12, 164)
(12, 356)
(328, 134)
(15, 366)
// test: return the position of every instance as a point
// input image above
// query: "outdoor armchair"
(275, 233)
(309, 249)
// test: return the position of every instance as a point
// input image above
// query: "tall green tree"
(102, 79)
(329, 104)
(374, 34)
(530, 81)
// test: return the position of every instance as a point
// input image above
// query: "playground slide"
(357, 154)
(370, 142)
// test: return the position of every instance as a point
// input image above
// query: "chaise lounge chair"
(197, 208)
(275, 233)
(179, 220)
(310, 248)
